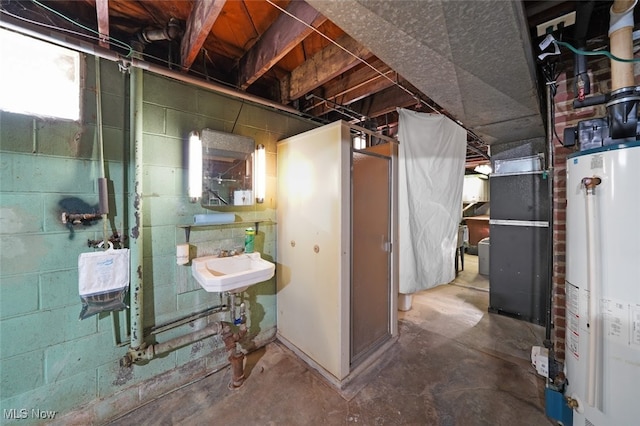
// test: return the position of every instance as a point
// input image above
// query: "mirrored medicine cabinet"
(227, 169)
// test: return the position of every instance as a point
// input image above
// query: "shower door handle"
(386, 245)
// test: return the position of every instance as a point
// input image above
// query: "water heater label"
(573, 336)
(572, 297)
(573, 319)
(615, 320)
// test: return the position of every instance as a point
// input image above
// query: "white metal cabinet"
(335, 310)
(314, 245)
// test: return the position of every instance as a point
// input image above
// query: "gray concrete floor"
(453, 364)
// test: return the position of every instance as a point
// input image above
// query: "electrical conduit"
(550, 184)
(102, 180)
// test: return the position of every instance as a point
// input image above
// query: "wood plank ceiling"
(281, 50)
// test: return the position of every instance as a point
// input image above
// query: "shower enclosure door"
(371, 253)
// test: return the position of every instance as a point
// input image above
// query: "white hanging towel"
(431, 159)
(103, 271)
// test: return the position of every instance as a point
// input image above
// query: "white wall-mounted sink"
(234, 273)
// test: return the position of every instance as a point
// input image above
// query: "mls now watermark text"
(23, 413)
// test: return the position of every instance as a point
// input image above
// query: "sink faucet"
(231, 252)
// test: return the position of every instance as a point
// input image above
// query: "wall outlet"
(553, 24)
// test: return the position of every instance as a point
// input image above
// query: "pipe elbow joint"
(621, 19)
(136, 355)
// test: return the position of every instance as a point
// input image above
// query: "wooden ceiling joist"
(201, 20)
(325, 65)
(102, 13)
(341, 89)
(357, 85)
(385, 102)
(281, 37)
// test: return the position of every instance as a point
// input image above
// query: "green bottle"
(249, 237)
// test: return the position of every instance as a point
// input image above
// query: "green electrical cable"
(114, 41)
(590, 53)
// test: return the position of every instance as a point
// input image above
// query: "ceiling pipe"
(90, 49)
(623, 106)
(621, 39)
(582, 84)
(170, 32)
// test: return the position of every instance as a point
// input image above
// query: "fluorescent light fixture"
(195, 166)
(261, 174)
(485, 169)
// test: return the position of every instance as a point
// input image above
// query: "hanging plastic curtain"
(431, 173)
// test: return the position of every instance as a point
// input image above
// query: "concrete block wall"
(51, 361)
(567, 116)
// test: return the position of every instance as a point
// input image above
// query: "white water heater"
(603, 285)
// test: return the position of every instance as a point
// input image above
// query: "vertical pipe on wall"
(34, 136)
(102, 181)
(550, 184)
(621, 40)
(135, 209)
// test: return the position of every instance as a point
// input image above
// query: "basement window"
(38, 78)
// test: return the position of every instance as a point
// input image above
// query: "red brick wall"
(567, 116)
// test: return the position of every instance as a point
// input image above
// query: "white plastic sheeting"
(431, 173)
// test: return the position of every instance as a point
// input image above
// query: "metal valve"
(590, 183)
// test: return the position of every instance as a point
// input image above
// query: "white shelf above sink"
(233, 274)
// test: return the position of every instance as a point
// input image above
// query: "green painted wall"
(49, 360)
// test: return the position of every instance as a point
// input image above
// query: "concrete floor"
(453, 364)
(469, 276)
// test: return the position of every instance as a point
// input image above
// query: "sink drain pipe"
(224, 329)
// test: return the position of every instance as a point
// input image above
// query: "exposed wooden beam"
(354, 86)
(102, 12)
(322, 67)
(282, 36)
(201, 20)
(384, 102)
(342, 89)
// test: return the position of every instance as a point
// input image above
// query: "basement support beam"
(325, 65)
(201, 20)
(355, 86)
(281, 37)
(385, 102)
(357, 80)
